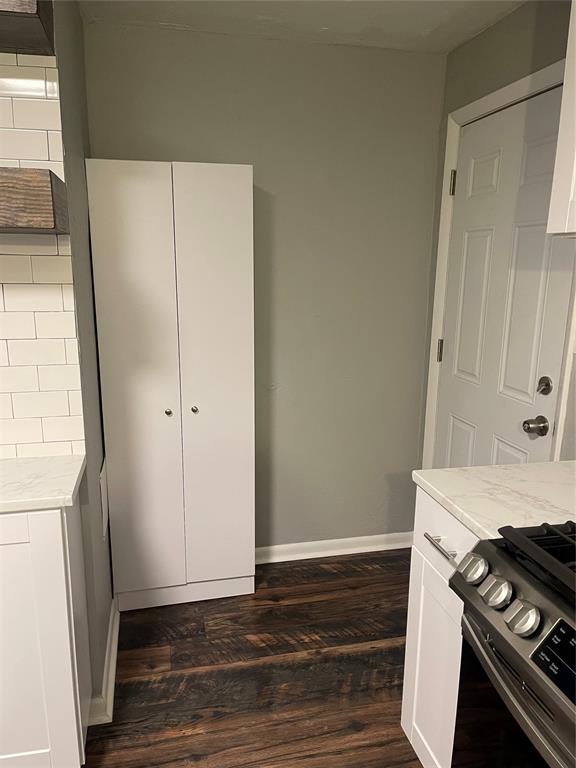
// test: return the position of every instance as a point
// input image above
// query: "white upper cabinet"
(562, 214)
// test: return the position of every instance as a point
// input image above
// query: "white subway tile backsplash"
(56, 269)
(7, 451)
(19, 379)
(32, 298)
(29, 245)
(71, 351)
(50, 165)
(4, 353)
(78, 447)
(55, 150)
(17, 325)
(28, 404)
(63, 428)
(35, 60)
(38, 114)
(8, 58)
(64, 245)
(52, 87)
(20, 431)
(68, 298)
(75, 403)
(6, 406)
(15, 269)
(55, 325)
(58, 377)
(44, 449)
(24, 145)
(22, 81)
(6, 117)
(37, 352)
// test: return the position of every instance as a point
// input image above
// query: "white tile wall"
(56, 269)
(55, 325)
(15, 269)
(37, 352)
(32, 298)
(17, 325)
(39, 114)
(40, 398)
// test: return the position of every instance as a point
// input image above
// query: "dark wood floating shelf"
(27, 26)
(32, 200)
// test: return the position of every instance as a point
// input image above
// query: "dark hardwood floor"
(307, 672)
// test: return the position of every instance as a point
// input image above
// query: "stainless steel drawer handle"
(435, 541)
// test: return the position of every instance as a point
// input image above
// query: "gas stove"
(519, 595)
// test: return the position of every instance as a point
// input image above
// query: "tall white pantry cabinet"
(172, 251)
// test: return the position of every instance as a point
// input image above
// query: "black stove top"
(547, 551)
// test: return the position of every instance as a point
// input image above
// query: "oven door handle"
(509, 695)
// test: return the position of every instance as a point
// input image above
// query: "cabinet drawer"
(432, 518)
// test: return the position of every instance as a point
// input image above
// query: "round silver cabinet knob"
(474, 568)
(495, 591)
(168, 412)
(522, 618)
(194, 409)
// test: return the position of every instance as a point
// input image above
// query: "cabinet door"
(214, 258)
(131, 220)
(433, 653)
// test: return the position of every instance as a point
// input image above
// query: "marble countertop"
(486, 498)
(29, 484)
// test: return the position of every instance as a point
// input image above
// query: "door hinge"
(452, 190)
(439, 350)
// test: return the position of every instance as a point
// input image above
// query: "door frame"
(532, 85)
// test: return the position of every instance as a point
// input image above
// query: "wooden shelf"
(32, 200)
(27, 26)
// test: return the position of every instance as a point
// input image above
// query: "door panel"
(214, 255)
(508, 292)
(132, 234)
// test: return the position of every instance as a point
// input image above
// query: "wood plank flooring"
(307, 672)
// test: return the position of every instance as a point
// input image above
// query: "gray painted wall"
(70, 59)
(523, 42)
(344, 143)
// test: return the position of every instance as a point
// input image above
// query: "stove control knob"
(474, 568)
(522, 618)
(495, 591)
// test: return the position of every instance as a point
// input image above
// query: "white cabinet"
(172, 249)
(45, 683)
(433, 635)
(562, 213)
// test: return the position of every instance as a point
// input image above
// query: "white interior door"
(508, 294)
(214, 257)
(132, 232)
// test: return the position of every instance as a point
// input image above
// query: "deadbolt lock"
(544, 386)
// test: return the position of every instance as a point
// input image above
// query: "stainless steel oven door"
(550, 734)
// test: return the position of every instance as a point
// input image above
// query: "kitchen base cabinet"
(433, 635)
(45, 681)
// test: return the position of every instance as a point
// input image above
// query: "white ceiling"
(435, 26)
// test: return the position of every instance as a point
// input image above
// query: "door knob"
(538, 426)
(168, 412)
(544, 386)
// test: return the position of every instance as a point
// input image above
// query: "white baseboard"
(102, 705)
(306, 550)
(185, 593)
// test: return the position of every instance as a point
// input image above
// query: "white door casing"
(214, 257)
(509, 291)
(132, 231)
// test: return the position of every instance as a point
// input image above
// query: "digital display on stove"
(556, 657)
